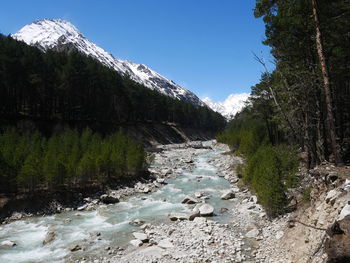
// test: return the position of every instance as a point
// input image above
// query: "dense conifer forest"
(303, 105)
(39, 91)
(73, 88)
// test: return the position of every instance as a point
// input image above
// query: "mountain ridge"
(61, 35)
(230, 106)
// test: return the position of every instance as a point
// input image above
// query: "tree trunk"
(327, 88)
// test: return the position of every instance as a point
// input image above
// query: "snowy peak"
(230, 106)
(47, 33)
(62, 36)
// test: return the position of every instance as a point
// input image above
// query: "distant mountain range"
(62, 36)
(230, 106)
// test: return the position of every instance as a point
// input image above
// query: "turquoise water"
(112, 221)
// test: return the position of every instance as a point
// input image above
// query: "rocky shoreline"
(199, 238)
(247, 235)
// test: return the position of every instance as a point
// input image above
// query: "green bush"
(270, 171)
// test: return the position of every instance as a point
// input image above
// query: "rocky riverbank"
(194, 237)
(169, 218)
(319, 226)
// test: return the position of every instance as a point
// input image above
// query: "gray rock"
(7, 244)
(136, 243)
(81, 208)
(75, 248)
(206, 210)
(136, 222)
(189, 200)
(165, 243)
(254, 233)
(109, 199)
(228, 194)
(178, 216)
(141, 236)
(50, 236)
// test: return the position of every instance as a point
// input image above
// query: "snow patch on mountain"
(230, 106)
(60, 35)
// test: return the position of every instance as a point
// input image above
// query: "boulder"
(81, 208)
(198, 194)
(200, 220)
(136, 222)
(146, 190)
(136, 243)
(161, 181)
(165, 243)
(332, 195)
(189, 200)
(178, 216)
(7, 244)
(337, 245)
(206, 210)
(141, 236)
(279, 235)
(109, 199)
(254, 233)
(75, 248)
(228, 194)
(50, 236)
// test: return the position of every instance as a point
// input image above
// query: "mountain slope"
(230, 106)
(61, 36)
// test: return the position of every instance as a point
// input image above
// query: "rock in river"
(228, 194)
(136, 243)
(206, 210)
(7, 244)
(178, 216)
(50, 236)
(109, 199)
(189, 200)
(141, 236)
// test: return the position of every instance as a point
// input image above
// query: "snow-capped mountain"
(60, 35)
(230, 106)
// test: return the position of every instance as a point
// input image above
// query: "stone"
(253, 199)
(228, 194)
(344, 212)
(136, 243)
(165, 243)
(279, 235)
(109, 199)
(50, 236)
(200, 220)
(161, 181)
(332, 196)
(75, 248)
(136, 222)
(254, 233)
(337, 245)
(81, 208)
(141, 236)
(198, 194)
(206, 210)
(146, 190)
(189, 200)
(7, 244)
(178, 216)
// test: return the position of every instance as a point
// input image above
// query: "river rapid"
(107, 230)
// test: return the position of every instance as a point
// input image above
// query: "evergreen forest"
(42, 91)
(303, 105)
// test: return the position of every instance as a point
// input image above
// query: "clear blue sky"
(204, 45)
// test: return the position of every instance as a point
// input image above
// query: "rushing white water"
(112, 221)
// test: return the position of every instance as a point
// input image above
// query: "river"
(108, 226)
